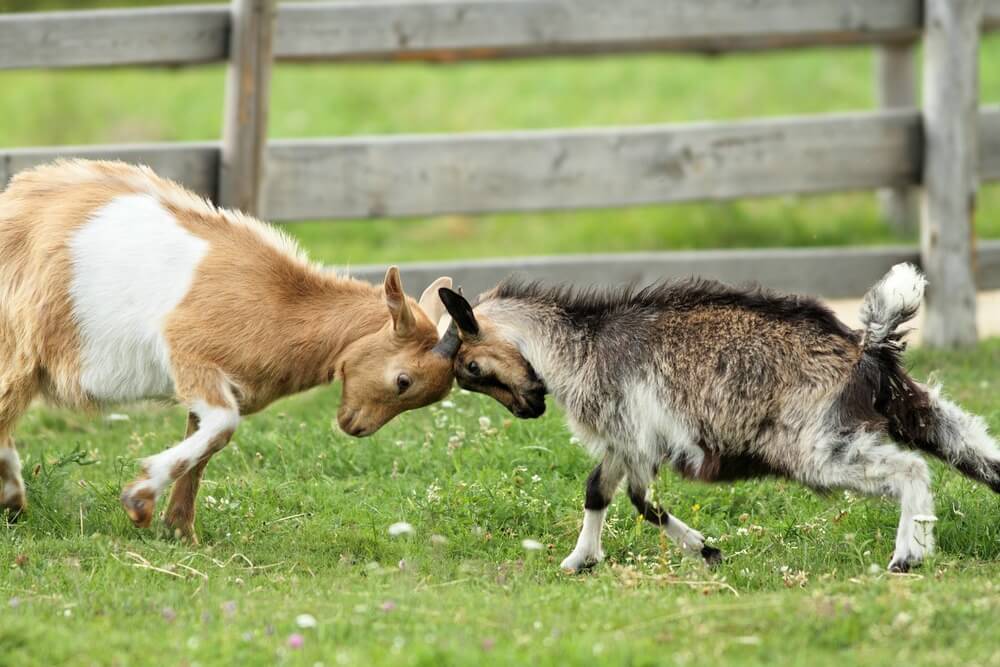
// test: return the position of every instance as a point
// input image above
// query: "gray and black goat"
(724, 383)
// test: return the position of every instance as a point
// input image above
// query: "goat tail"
(916, 414)
(893, 301)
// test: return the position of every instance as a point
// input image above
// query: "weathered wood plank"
(991, 15)
(951, 98)
(196, 165)
(521, 171)
(895, 87)
(989, 143)
(248, 83)
(357, 177)
(828, 272)
(447, 30)
(457, 29)
(156, 36)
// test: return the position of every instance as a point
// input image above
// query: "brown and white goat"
(118, 285)
(723, 383)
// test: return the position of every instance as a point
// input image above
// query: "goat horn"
(448, 346)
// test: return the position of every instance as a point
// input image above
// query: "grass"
(294, 520)
(80, 107)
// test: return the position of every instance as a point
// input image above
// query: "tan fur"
(259, 322)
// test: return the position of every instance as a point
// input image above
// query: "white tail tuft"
(903, 287)
(893, 300)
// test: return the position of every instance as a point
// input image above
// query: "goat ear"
(395, 299)
(431, 303)
(460, 311)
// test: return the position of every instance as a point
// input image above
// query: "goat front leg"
(181, 508)
(601, 487)
(217, 417)
(687, 538)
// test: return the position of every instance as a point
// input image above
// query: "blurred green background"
(128, 105)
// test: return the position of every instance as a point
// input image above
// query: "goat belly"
(132, 264)
(716, 467)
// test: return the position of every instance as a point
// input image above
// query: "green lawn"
(294, 519)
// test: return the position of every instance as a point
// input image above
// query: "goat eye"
(473, 368)
(403, 382)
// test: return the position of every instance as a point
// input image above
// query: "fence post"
(895, 86)
(951, 101)
(248, 78)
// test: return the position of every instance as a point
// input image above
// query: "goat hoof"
(576, 565)
(182, 531)
(14, 509)
(139, 504)
(902, 565)
(711, 555)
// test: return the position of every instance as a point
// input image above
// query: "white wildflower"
(305, 621)
(532, 545)
(434, 493)
(400, 528)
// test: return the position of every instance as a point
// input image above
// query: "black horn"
(460, 310)
(448, 346)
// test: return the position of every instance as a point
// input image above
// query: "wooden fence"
(944, 148)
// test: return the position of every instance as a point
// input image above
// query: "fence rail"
(832, 273)
(414, 175)
(894, 149)
(448, 30)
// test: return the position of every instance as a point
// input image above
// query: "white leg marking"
(213, 422)
(915, 536)
(687, 538)
(588, 550)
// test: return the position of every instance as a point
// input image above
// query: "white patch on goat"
(212, 423)
(13, 485)
(595, 445)
(655, 426)
(588, 546)
(132, 265)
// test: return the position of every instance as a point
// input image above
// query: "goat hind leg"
(16, 392)
(863, 462)
(181, 508)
